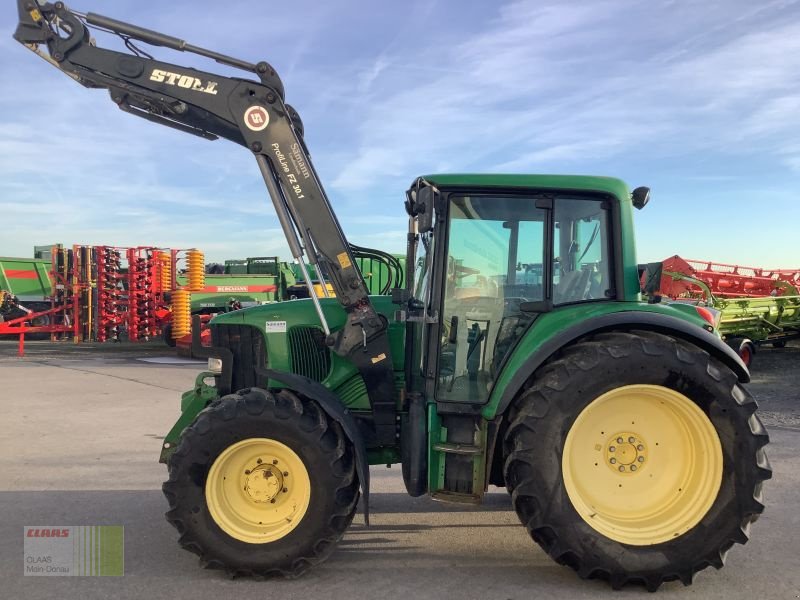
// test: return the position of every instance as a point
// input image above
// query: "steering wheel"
(460, 271)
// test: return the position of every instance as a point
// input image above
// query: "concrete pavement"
(79, 441)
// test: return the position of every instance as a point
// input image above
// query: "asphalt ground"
(80, 433)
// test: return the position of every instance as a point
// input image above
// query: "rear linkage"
(252, 114)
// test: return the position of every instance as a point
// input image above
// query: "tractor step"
(457, 458)
(458, 448)
(457, 498)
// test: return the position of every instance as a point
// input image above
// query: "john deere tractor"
(518, 354)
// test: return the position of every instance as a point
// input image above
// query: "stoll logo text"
(37, 532)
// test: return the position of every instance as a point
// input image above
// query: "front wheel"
(636, 457)
(262, 484)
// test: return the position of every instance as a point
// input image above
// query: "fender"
(333, 407)
(647, 321)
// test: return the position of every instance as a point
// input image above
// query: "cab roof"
(609, 185)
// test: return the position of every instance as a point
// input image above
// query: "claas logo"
(47, 532)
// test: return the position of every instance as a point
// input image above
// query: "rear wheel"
(262, 484)
(635, 457)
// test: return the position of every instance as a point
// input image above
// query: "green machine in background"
(247, 282)
(26, 278)
(261, 280)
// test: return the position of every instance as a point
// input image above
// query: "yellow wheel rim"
(258, 490)
(642, 464)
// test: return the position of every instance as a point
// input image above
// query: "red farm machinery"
(724, 280)
(98, 293)
(753, 306)
(111, 293)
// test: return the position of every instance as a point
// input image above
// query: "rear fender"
(620, 321)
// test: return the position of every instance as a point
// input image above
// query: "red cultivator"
(96, 293)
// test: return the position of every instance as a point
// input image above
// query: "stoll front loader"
(518, 354)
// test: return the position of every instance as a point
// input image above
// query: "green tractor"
(522, 357)
(519, 354)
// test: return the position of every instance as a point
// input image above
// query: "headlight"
(215, 365)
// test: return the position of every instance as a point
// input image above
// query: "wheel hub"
(258, 490)
(263, 483)
(626, 453)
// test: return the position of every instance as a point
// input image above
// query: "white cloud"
(556, 84)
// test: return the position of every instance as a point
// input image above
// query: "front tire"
(661, 507)
(262, 484)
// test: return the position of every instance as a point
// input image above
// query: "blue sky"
(700, 100)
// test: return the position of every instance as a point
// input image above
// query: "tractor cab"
(489, 257)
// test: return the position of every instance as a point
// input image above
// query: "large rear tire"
(668, 500)
(262, 484)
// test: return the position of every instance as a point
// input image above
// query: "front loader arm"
(250, 113)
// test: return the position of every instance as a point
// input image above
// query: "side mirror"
(640, 197)
(423, 208)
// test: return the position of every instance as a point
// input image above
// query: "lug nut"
(247, 472)
(621, 468)
(275, 462)
(640, 459)
(613, 461)
(633, 467)
(640, 447)
(258, 460)
(631, 439)
(620, 440)
(286, 473)
(612, 448)
(285, 490)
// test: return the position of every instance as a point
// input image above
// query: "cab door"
(494, 274)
